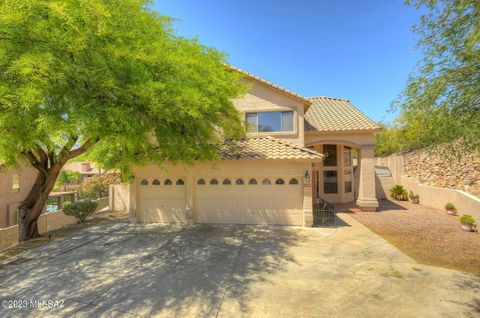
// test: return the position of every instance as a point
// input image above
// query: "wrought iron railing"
(324, 214)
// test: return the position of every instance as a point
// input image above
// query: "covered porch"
(346, 174)
(344, 135)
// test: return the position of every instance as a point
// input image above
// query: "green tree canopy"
(110, 77)
(442, 100)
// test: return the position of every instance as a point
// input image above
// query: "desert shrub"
(450, 207)
(398, 192)
(97, 186)
(467, 219)
(80, 210)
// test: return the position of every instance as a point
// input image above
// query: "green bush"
(398, 192)
(80, 210)
(97, 186)
(467, 220)
(411, 195)
(450, 207)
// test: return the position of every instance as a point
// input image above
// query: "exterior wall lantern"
(307, 176)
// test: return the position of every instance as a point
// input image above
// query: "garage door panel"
(163, 211)
(162, 203)
(250, 203)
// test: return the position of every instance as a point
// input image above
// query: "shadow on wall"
(154, 269)
(382, 184)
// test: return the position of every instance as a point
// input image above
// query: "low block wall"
(437, 197)
(383, 185)
(46, 222)
(119, 197)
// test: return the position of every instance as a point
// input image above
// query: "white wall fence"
(47, 222)
(435, 197)
(122, 199)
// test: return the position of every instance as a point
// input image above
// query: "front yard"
(118, 269)
(428, 235)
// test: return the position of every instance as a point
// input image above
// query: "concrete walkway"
(117, 269)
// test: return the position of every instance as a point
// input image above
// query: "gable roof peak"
(270, 84)
(328, 97)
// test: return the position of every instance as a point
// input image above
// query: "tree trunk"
(34, 204)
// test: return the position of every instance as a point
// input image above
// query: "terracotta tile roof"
(266, 148)
(336, 114)
(282, 89)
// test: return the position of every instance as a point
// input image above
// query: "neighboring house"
(297, 151)
(85, 168)
(15, 184)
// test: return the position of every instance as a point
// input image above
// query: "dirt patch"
(59, 233)
(428, 235)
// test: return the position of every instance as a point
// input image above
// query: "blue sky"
(360, 50)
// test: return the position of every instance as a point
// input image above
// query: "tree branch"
(37, 164)
(83, 148)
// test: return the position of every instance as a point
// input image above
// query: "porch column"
(367, 199)
(189, 184)
(133, 215)
(307, 198)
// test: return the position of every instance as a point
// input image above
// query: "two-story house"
(297, 151)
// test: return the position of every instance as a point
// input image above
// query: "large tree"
(442, 100)
(106, 76)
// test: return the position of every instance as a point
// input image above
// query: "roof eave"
(344, 131)
(280, 89)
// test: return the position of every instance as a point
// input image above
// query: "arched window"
(201, 182)
(252, 181)
(266, 182)
(144, 182)
(239, 182)
(226, 181)
(293, 181)
(214, 181)
(167, 182)
(279, 181)
(156, 182)
(180, 182)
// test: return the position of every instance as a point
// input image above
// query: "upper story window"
(330, 153)
(269, 121)
(16, 183)
(347, 156)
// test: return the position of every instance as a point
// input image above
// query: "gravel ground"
(428, 235)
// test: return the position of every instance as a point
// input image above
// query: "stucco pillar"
(367, 199)
(132, 206)
(189, 184)
(308, 199)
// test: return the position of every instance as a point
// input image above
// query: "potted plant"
(399, 193)
(451, 209)
(468, 223)
(414, 198)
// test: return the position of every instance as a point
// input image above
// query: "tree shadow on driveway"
(147, 270)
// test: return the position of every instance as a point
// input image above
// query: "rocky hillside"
(439, 168)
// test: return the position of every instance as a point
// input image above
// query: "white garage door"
(252, 200)
(162, 200)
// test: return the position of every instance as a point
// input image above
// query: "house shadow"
(384, 206)
(149, 270)
(472, 306)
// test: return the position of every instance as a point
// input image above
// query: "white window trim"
(273, 133)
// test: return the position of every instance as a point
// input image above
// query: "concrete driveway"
(117, 269)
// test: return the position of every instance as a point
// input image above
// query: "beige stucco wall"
(46, 222)
(264, 98)
(9, 200)
(435, 197)
(352, 139)
(224, 169)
